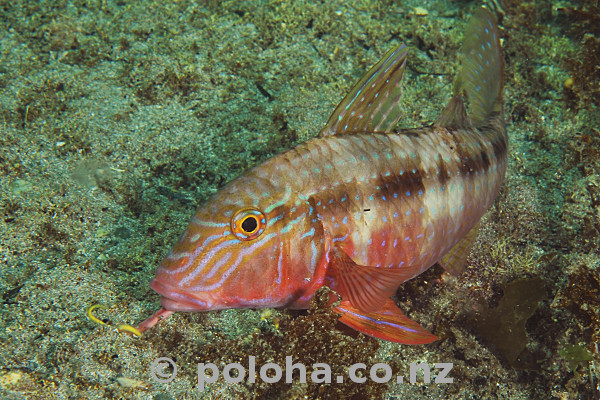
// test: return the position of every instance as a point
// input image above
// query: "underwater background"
(119, 118)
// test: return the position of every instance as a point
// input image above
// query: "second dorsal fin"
(454, 115)
(373, 103)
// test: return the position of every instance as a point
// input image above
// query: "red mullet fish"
(361, 208)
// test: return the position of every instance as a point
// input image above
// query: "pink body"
(402, 204)
(360, 209)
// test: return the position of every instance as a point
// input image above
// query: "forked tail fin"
(480, 75)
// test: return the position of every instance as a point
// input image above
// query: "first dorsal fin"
(373, 103)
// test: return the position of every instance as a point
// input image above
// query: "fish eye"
(248, 223)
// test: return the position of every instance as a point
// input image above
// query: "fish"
(361, 208)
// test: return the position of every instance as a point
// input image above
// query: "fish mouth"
(175, 299)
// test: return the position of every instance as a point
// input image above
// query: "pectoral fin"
(387, 323)
(366, 288)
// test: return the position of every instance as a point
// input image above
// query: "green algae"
(575, 355)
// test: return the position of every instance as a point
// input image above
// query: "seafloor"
(119, 118)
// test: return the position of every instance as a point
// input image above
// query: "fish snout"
(177, 299)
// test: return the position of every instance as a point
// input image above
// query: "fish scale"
(362, 208)
(409, 181)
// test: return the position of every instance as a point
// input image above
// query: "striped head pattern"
(250, 245)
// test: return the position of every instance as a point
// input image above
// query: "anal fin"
(455, 260)
(387, 323)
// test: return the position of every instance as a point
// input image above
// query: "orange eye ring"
(248, 223)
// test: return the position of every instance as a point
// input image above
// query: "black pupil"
(249, 224)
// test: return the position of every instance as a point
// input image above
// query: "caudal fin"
(481, 67)
(480, 75)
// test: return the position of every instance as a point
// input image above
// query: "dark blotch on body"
(409, 181)
(443, 175)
